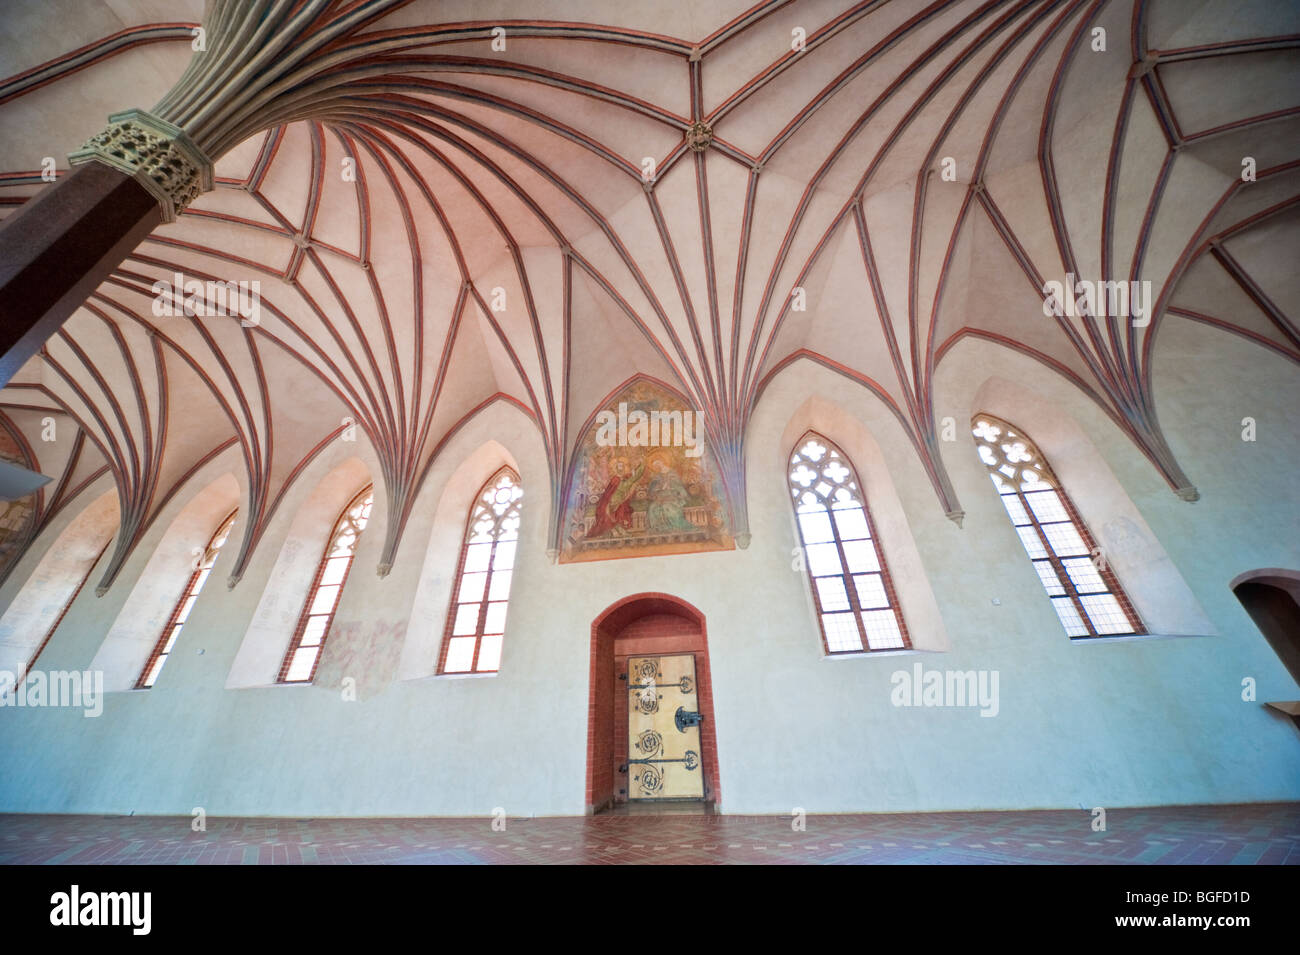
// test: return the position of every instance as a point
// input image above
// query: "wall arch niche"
(424, 643)
(1271, 596)
(58, 578)
(639, 625)
(492, 436)
(1162, 598)
(818, 415)
(258, 661)
(159, 584)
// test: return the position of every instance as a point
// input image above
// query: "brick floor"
(1244, 835)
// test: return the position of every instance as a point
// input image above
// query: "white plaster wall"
(893, 533)
(173, 555)
(50, 573)
(1081, 724)
(1161, 596)
(331, 481)
(456, 479)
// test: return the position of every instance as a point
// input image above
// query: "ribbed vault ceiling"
(484, 176)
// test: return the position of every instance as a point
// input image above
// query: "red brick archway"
(641, 623)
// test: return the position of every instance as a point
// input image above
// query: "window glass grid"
(167, 641)
(303, 656)
(1086, 595)
(851, 587)
(476, 619)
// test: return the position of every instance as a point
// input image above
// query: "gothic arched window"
(1072, 569)
(476, 621)
(183, 606)
(300, 661)
(857, 608)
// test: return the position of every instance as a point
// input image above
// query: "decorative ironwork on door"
(663, 729)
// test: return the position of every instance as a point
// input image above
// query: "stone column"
(248, 74)
(136, 174)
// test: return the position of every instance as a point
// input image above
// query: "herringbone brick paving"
(1247, 834)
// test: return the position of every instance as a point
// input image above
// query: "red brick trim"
(641, 623)
(188, 592)
(456, 581)
(295, 642)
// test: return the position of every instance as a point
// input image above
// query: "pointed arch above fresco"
(643, 480)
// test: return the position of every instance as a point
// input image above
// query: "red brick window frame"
(1085, 593)
(857, 605)
(476, 620)
(181, 613)
(303, 655)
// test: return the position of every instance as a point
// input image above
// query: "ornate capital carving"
(155, 153)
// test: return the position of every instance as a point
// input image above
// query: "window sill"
(464, 676)
(1134, 637)
(872, 654)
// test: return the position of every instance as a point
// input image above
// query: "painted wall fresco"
(17, 518)
(644, 483)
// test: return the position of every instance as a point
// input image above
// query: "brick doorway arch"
(648, 623)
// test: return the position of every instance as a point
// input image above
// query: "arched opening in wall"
(29, 622)
(166, 579)
(476, 620)
(459, 482)
(303, 656)
(1272, 598)
(890, 542)
(1084, 591)
(298, 572)
(651, 737)
(1160, 599)
(857, 606)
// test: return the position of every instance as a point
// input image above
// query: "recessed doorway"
(651, 738)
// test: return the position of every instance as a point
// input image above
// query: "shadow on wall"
(1272, 598)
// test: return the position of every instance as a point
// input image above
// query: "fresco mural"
(17, 518)
(643, 482)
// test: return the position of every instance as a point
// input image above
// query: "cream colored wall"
(1131, 550)
(1080, 724)
(173, 556)
(51, 571)
(332, 480)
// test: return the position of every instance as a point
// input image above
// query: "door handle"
(684, 718)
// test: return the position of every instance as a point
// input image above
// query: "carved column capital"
(155, 153)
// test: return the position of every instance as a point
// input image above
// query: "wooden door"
(663, 729)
